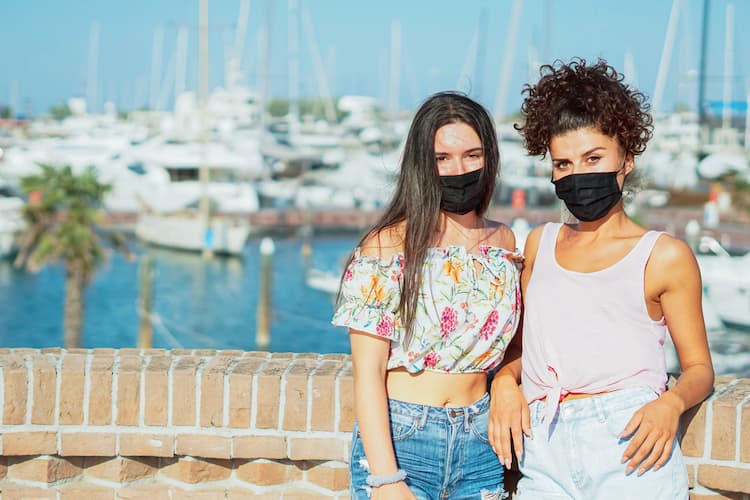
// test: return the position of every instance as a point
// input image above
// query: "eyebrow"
(472, 150)
(584, 154)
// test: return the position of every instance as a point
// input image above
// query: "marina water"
(211, 304)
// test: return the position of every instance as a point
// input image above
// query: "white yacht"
(726, 281)
(11, 220)
(188, 231)
(170, 191)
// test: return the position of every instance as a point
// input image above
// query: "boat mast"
(507, 68)
(156, 54)
(234, 70)
(666, 56)
(293, 65)
(181, 62)
(726, 108)
(203, 97)
(702, 77)
(320, 72)
(469, 66)
(481, 53)
(263, 60)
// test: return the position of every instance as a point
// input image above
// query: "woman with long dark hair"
(431, 298)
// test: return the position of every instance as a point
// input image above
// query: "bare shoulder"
(672, 262)
(384, 243)
(671, 251)
(532, 242)
(499, 235)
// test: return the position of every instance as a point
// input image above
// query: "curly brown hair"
(576, 95)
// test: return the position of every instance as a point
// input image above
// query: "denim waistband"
(595, 406)
(439, 413)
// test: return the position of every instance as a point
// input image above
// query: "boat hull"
(227, 236)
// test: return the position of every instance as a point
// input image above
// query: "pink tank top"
(589, 332)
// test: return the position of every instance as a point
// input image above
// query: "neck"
(468, 221)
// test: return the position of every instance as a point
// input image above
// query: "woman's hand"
(509, 417)
(655, 427)
(395, 491)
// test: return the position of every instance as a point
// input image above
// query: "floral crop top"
(469, 307)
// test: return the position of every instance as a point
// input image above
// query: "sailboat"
(190, 227)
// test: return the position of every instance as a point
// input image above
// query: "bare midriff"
(429, 388)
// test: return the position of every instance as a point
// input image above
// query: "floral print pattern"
(448, 321)
(468, 311)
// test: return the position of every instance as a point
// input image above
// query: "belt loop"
(423, 418)
(601, 411)
(467, 419)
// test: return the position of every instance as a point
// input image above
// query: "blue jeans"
(581, 459)
(444, 451)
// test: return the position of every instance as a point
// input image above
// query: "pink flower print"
(396, 274)
(489, 326)
(484, 250)
(411, 356)
(448, 321)
(465, 306)
(431, 359)
(348, 274)
(385, 327)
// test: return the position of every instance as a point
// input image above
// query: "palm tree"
(61, 219)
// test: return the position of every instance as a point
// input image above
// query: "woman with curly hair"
(600, 295)
(431, 297)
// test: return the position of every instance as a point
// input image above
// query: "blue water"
(211, 304)
(201, 303)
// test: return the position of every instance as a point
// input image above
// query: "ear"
(629, 163)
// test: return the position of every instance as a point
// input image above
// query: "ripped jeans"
(444, 451)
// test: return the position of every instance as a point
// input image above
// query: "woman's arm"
(676, 278)
(509, 411)
(369, 360)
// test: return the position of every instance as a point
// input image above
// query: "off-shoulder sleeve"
(370, 293)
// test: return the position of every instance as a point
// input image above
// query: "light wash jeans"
(444, 451)
(581, 459)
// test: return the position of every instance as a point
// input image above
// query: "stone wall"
(201, 424)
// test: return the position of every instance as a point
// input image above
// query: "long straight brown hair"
(417, 197)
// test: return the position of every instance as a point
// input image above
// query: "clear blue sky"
(44, 45)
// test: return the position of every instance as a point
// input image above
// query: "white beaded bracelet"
(376, 481)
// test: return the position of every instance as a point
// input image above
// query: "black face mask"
(589, 196)
(460, 194)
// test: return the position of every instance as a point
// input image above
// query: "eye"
(475, 155)
(560, 165)
(440, 158)
(593, 159)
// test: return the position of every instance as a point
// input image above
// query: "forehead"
(454, 135)
(580, 140)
